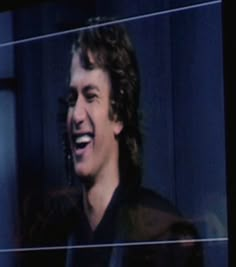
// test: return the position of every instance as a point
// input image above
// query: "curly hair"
(112, 50)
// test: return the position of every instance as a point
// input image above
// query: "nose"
(79, 112)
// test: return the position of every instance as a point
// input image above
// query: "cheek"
(68, 119)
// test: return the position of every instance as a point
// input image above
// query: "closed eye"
(90, 93)
(90, 97)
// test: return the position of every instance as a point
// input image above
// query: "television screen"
(112, 134)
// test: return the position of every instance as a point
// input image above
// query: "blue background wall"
(8, 155)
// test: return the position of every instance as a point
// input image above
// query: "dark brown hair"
(112, 50)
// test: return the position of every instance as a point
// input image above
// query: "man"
(112, 209)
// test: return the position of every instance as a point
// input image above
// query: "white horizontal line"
(164, 12)
(123, 244)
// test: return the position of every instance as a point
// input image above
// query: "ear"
(118, 127)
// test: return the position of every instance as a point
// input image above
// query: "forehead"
(81, 76)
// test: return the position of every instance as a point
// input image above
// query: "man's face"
(92, 135)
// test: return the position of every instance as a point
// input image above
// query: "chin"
(83, 173)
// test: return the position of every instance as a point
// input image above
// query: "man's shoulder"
(47, 218)
(153, 217)
(150, 204)
(53, 202)
(148, 198)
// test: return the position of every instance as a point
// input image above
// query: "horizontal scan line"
(123, 244)
(164, 12)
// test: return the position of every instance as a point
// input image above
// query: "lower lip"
(81, 151)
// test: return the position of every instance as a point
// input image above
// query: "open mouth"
(80, 141)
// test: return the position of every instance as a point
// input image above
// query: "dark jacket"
(145, 228)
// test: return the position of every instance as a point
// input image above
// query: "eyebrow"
(90, 87)
(85, 88)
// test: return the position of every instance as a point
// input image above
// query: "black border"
(229, 84)
(11, 5)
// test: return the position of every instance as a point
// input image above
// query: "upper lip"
(75, 135)
(78, 134)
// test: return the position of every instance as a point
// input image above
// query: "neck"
(97, 197)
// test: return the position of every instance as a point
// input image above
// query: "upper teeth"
(83, 139)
